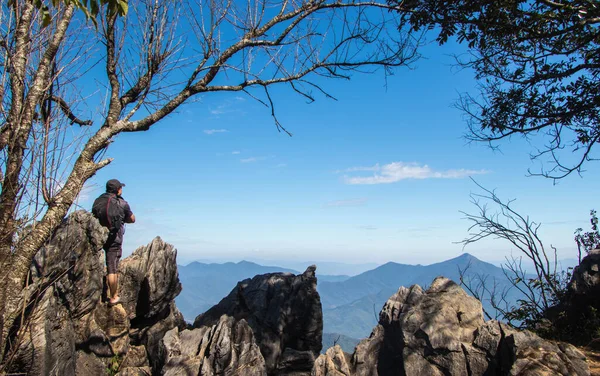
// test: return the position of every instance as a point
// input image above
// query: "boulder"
(535, 356)
(149, 282)
(227, 348)
(284, 312)
(334, 362)
(586, 277)
(576, 317)
(441, 331)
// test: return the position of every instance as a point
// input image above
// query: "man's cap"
(113, 185)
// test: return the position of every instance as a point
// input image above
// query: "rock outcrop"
(441, 331)
(585, 282)
(71, 330)
(576, 318)
(268, 325)
(227, 348)
(284, 312)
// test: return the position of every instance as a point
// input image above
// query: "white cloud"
(396, 171)
(235, 152)
(213, 131)
(349, 202)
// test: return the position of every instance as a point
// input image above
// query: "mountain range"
(350, 304)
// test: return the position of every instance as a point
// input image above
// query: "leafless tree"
(540, 288)
(54, 130)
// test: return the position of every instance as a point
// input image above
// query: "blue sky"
(379, 175)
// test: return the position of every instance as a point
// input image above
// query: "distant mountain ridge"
(350, 307)
(350, 304)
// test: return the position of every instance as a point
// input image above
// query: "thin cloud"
(349, 202)
(213, 131)
(367, 227)
(252, 159)
(227, 107)
(355, 169)
(420, 229)
(236, 152)
(396, 171)
(280, 165)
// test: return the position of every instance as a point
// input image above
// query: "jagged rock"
(586, 276)
(151, 335)
(135, 357)
(576, 317)
(48, 342)
(88, 364)
(149, 281)
(66, 286)
(284, 312)
(439, 324)
(108, 332)
(227, 348)
(333, 363)
(74, 252)
(535, 356)
(69, 330)
(135, 371)
(441, 332)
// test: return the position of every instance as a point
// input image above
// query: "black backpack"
(107, 209)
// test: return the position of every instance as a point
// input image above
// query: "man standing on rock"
(113, 212)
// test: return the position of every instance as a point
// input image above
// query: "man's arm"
(129, 216)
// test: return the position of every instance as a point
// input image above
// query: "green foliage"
(564, 317)
(531, 313)
(90, 8)
(588, 240)
(113, 366)
(538, 63)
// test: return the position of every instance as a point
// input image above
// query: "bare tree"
(540, 288)
(147, 65)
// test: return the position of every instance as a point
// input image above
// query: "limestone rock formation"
(441, 331)
(284, 312)
(576, 318)
(227, 348)
(268, 325)
(69, 329)
(586, 276)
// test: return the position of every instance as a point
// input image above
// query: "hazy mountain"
(352, 307)
(323, 267)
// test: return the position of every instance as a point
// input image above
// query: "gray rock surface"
(66, 285)
(227, 348)
(69, 329)
(149, 281)
(284, 312)
(268, 325)
(441, 331)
